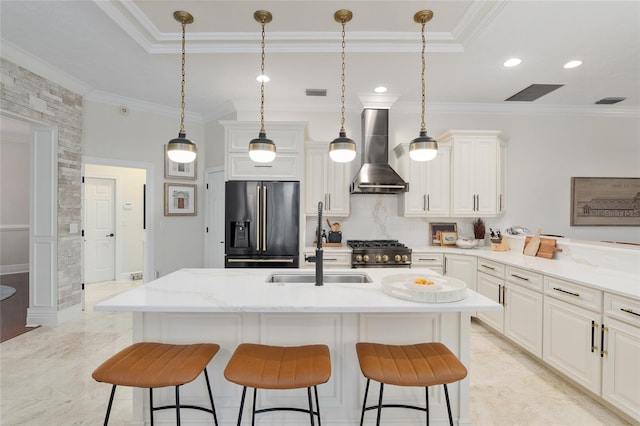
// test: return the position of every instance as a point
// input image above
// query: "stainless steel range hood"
(376, 175)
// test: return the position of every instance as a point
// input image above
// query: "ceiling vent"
(316, 92)
(534, 92)
(610, 100)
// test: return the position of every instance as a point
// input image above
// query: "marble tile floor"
(45, 376)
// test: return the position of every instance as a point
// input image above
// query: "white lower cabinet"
(462, 267)
(621, 354)
(492, 288)
(331, 259)
(572, 341)
(523, 309)
(427, 259)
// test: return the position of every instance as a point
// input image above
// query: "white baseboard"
(14, 269)
(51, 317)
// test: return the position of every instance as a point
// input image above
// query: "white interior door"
(214, 238)
(99, 230)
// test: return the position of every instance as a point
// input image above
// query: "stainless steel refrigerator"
(262, 224)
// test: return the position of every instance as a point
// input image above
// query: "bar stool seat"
(422, 364)
(279, 367)
(155, 365)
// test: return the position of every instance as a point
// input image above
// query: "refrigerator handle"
(257, 218)
(264, 218)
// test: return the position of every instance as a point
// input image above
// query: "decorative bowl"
(466, 243)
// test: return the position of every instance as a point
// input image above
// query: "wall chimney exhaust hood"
(376, 175)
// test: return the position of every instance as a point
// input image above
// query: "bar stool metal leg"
(244, 393)
(364, 403)
(315, 389)
(213, 407)
(151, 405)
(113, 391)
(380, 404)
(178, 405)
(253, 412)
(446, 395)
(426, 395)
(310, 406)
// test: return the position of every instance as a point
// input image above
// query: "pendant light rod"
(181, 149)
(422, 17)
(423, 148)
(261, 149)
(342, 149)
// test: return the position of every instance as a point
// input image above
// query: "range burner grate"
(375, 244)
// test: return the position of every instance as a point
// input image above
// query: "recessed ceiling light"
(512, 62)
(262, 78)
(380, 89)
(572, 64)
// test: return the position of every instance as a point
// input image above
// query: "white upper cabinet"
(429, 183)
(325, 181)
(478, 162)
(288, 137)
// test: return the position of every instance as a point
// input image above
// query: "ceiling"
(130, 49)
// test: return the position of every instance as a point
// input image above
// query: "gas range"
(379, 254)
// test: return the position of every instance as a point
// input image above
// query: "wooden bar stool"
(423, 364)
(279, 367)
(156, 365)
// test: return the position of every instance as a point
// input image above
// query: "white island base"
(229, 307)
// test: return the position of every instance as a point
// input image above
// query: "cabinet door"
(463, 175)
(485, 176)
(523, 317)
(315, 179)
(462, 267)
(571, 342)
(438, 184)
(337, 187)
(415, 201)
(491, 287)
(621, 367)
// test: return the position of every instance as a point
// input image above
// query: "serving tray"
(445, 289)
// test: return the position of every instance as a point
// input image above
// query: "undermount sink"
(326, 278)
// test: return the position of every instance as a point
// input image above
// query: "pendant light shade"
(181, 149)
(423, 148)
(261, 149)
(342, 149)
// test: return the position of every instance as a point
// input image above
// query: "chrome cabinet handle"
(488, 267)
(424, 202)
(428, 203)
(258, 218)
(264, 218)
(262, 166)
(518, 276)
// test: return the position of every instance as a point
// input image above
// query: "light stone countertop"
(245, 290)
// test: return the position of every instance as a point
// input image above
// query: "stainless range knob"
(358, 258)
(397, 258)
(385, 258)
(405, 258)
(365, 257)
(378, 258)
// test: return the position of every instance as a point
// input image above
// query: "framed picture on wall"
(436, 230)
(605, 201)
(176, 170)
(180, 199)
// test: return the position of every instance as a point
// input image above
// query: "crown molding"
(136, 104)
(44, 69)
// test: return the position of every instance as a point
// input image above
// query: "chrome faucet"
(318, 258)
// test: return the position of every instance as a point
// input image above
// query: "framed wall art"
(180, 199)
(448, 238)
(605, 201)
(436, 230)
(176, 170)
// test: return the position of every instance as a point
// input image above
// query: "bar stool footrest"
(412, 407)
(192, 407)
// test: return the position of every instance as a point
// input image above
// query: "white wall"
(14, 204)
(140, 136)
(130, 235)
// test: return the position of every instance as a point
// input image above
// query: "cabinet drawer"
(427, 259)
(285, 166)
(330, 260)
(622, 308)
(528, 279)
(490, 267)
(574, 293)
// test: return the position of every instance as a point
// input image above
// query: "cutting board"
(547, 247)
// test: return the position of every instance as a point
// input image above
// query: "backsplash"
(376, 217)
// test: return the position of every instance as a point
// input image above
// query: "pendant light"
(261, 149)
(423, 148)
(181, 149)
(342, 149)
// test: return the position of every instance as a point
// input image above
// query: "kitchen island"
(232, 306)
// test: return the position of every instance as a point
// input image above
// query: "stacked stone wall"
(36, 98)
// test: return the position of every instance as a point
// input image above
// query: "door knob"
(109, 235)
